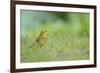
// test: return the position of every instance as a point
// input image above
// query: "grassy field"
(64, 41)
(58, 47)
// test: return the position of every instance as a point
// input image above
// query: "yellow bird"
(41, 38)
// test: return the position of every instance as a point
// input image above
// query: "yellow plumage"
(41, 38)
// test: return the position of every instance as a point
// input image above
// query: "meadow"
(67, 36)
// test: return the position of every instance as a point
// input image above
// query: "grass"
(59, 46)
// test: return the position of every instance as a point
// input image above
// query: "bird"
(41, 39)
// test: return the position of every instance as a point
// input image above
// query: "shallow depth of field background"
(67, 36)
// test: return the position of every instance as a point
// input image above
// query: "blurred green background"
(67, 36)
